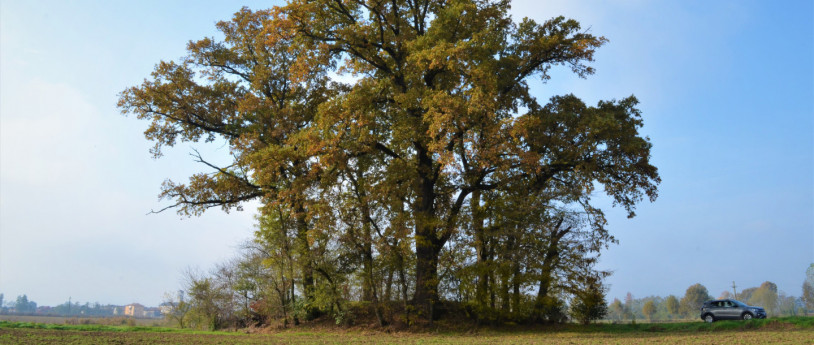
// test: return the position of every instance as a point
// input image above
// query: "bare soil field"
(47, 336)
(63, 320)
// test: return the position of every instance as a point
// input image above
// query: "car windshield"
(739, 303)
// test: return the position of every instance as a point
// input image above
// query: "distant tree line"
(657, 308)
(24, 306)
(85, 309)
(21, 306)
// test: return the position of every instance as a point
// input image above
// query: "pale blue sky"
(726, 90)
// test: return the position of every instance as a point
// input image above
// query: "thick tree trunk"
(427, 243)
(426, 289)
(306, 262)
(545, 282)
(540, 307)
(551, 258)
(367, 296)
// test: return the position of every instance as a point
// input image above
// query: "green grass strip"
(796, 322)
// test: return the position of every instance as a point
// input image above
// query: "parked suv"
(731, 309)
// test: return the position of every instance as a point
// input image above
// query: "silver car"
(730, 309)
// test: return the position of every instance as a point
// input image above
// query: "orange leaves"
(431, 116)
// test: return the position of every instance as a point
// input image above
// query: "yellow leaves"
(449, 91)
(435, 55)
(431, 117)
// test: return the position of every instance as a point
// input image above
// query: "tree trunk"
(371, 288)
(388, 286)
(504, 292)
(367, 266)
(482, 287)
(516, 289)
(403, 284)
(551, 258)
(545, 282)
(426, 294)
(427, 243)
(306, 265)
(492, 290)
(508, 272)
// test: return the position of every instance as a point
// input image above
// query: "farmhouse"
(134, 310)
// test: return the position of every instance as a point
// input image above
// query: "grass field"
(776, 331)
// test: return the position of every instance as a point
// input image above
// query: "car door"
(730, 310)
(716, 309)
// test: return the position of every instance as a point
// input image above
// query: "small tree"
(208, 301)
(672, 305)
(746, 294)
(766, 297)
(786, 305)
(808, 295)
(178, 310)
(694, 298)
(808, 288)
(589, 304)
(649, 309)
(616, 310)
(629, 312)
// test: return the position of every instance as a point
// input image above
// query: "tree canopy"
(694, 298)
(435, 174)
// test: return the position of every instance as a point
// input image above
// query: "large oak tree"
(440, 111)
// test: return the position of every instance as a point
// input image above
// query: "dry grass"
(73, 320)
(774, 334)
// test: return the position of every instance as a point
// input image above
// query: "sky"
(726, 91)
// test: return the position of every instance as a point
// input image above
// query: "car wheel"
(709, 318)
(746, 316)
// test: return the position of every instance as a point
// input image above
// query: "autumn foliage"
(427, 177)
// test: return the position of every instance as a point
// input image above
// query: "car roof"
(725, 299)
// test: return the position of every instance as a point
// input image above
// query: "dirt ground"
(43, 336)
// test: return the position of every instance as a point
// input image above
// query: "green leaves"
(579, 144)
(384, 166)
